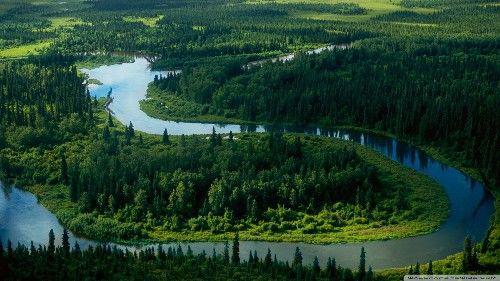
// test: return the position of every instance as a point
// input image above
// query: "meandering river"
(23, 219)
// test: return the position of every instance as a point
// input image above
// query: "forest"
(426, 72)
(104, 262)
(445, 93)
(147, 186)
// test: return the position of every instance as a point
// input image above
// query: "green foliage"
(111, 263)
(456, 84)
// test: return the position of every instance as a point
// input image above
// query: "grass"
(424, 195)
(24, 50)
(150, 22)
(167, 106)
(374, 8)
(64, 23)
(154, 108)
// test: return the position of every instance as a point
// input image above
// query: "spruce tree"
(315, 267)
(250, 259)
(268, 259)
(331, 269)
(65, 242)
(369, 275)
(76, 248)
(51, 247)
(236, 249)
(106, 135)
(226, 253)
(362, 265)
(110, 120)
(467, 254)
(297, 258)
(165, 137)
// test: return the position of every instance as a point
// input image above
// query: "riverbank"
(425, 197)
(490, 258)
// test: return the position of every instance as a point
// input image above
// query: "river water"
(23, 219)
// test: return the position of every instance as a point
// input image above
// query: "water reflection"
(23, 220)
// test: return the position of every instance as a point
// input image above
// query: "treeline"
(41, 102)
(226, 184)
(444, 93)
(205, 30)
(103, 262)
(440, 3)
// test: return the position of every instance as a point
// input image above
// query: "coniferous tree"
(65, 242)
(486, 241)
(362, 265)
(76, 248)
(226, 252)
(10, 250)
(110, 120)
(297, 258)
(331, 270)
(165, 137)
(268, 259)
(106, 135)
(250, 259)
(370, 275)
(467, 254)
(51, 247)
(315, 267)
(131, 129)
(236, 249)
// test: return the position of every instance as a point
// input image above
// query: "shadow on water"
(23, 220)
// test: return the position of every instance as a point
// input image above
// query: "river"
(23, 219)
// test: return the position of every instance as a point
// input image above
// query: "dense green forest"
(103, 262)
(445, 93)
(147, 187)
(42, 104)
(424, 71)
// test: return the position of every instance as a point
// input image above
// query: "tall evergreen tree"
(362, 265)
(51, 247)
(65, 242)
(226, 252)
(165, 137)
(268, 262)
(315, 267)
(110, 120)
(236, 249)
(370, 275)
(297, 258)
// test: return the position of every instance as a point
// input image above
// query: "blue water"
(23, 220)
